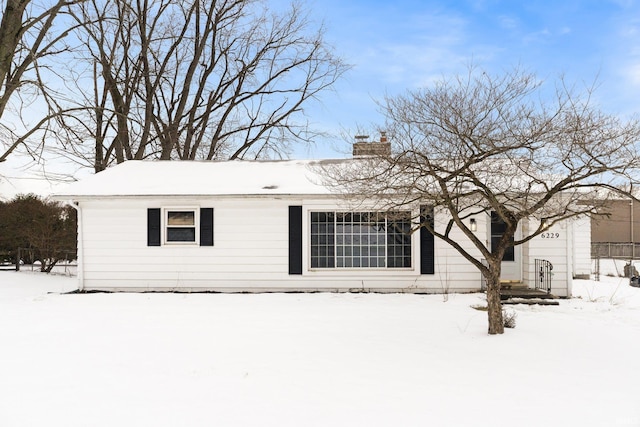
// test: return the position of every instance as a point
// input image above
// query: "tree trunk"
(47, 267)
(494, 305)
(10, 34)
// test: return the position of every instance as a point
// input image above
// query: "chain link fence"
(615, 250)
(29, 259)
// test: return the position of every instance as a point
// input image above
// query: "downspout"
(80, 273)
(571, 254)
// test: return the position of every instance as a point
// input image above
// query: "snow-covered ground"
(313, 359)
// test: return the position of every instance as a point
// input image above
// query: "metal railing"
(543, 274)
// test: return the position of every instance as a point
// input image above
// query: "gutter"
(193, 196)
(80, 273)
(571, 255)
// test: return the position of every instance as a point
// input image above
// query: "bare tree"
(502, 145)
(201, 79)
(106, 80)
(28, 36)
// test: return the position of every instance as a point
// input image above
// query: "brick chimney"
(363, 148)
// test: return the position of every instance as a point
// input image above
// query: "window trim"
(196, 225)
(386, 270)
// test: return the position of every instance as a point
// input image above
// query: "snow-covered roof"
(195, 178)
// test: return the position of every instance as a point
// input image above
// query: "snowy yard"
(313, 359)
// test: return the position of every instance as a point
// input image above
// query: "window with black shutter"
(295, 239)
(180, 226)
(153, 227)
(206, 226)
(427, 242)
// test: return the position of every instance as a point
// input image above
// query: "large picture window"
(360, 240)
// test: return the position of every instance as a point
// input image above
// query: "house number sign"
(550, 235)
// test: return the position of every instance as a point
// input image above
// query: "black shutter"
(153, 227)
(206, 226)
(427, 242)
(295, 239)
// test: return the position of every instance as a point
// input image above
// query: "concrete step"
(530, 301)
(512, 285)
(525, 293)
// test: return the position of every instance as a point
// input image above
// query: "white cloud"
(508, 22)
(537, 36)
(426, 43)
(632, 73)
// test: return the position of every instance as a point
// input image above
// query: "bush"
(509, 318)
(46, 229)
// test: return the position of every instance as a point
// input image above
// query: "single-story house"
(264, 226)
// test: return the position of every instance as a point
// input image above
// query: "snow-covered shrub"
(509, 318)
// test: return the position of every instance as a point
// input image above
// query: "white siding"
(582, 247)
(554, 249)
(250, 252)
(528, 263)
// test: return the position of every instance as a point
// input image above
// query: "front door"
(512, 262)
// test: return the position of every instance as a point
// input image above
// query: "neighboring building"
(617, 222)
(262, 226)
(615, 230)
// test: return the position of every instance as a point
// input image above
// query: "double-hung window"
(175, 226)
(180, 225)
(360, 240)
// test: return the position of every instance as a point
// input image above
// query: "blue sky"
(406, 44)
